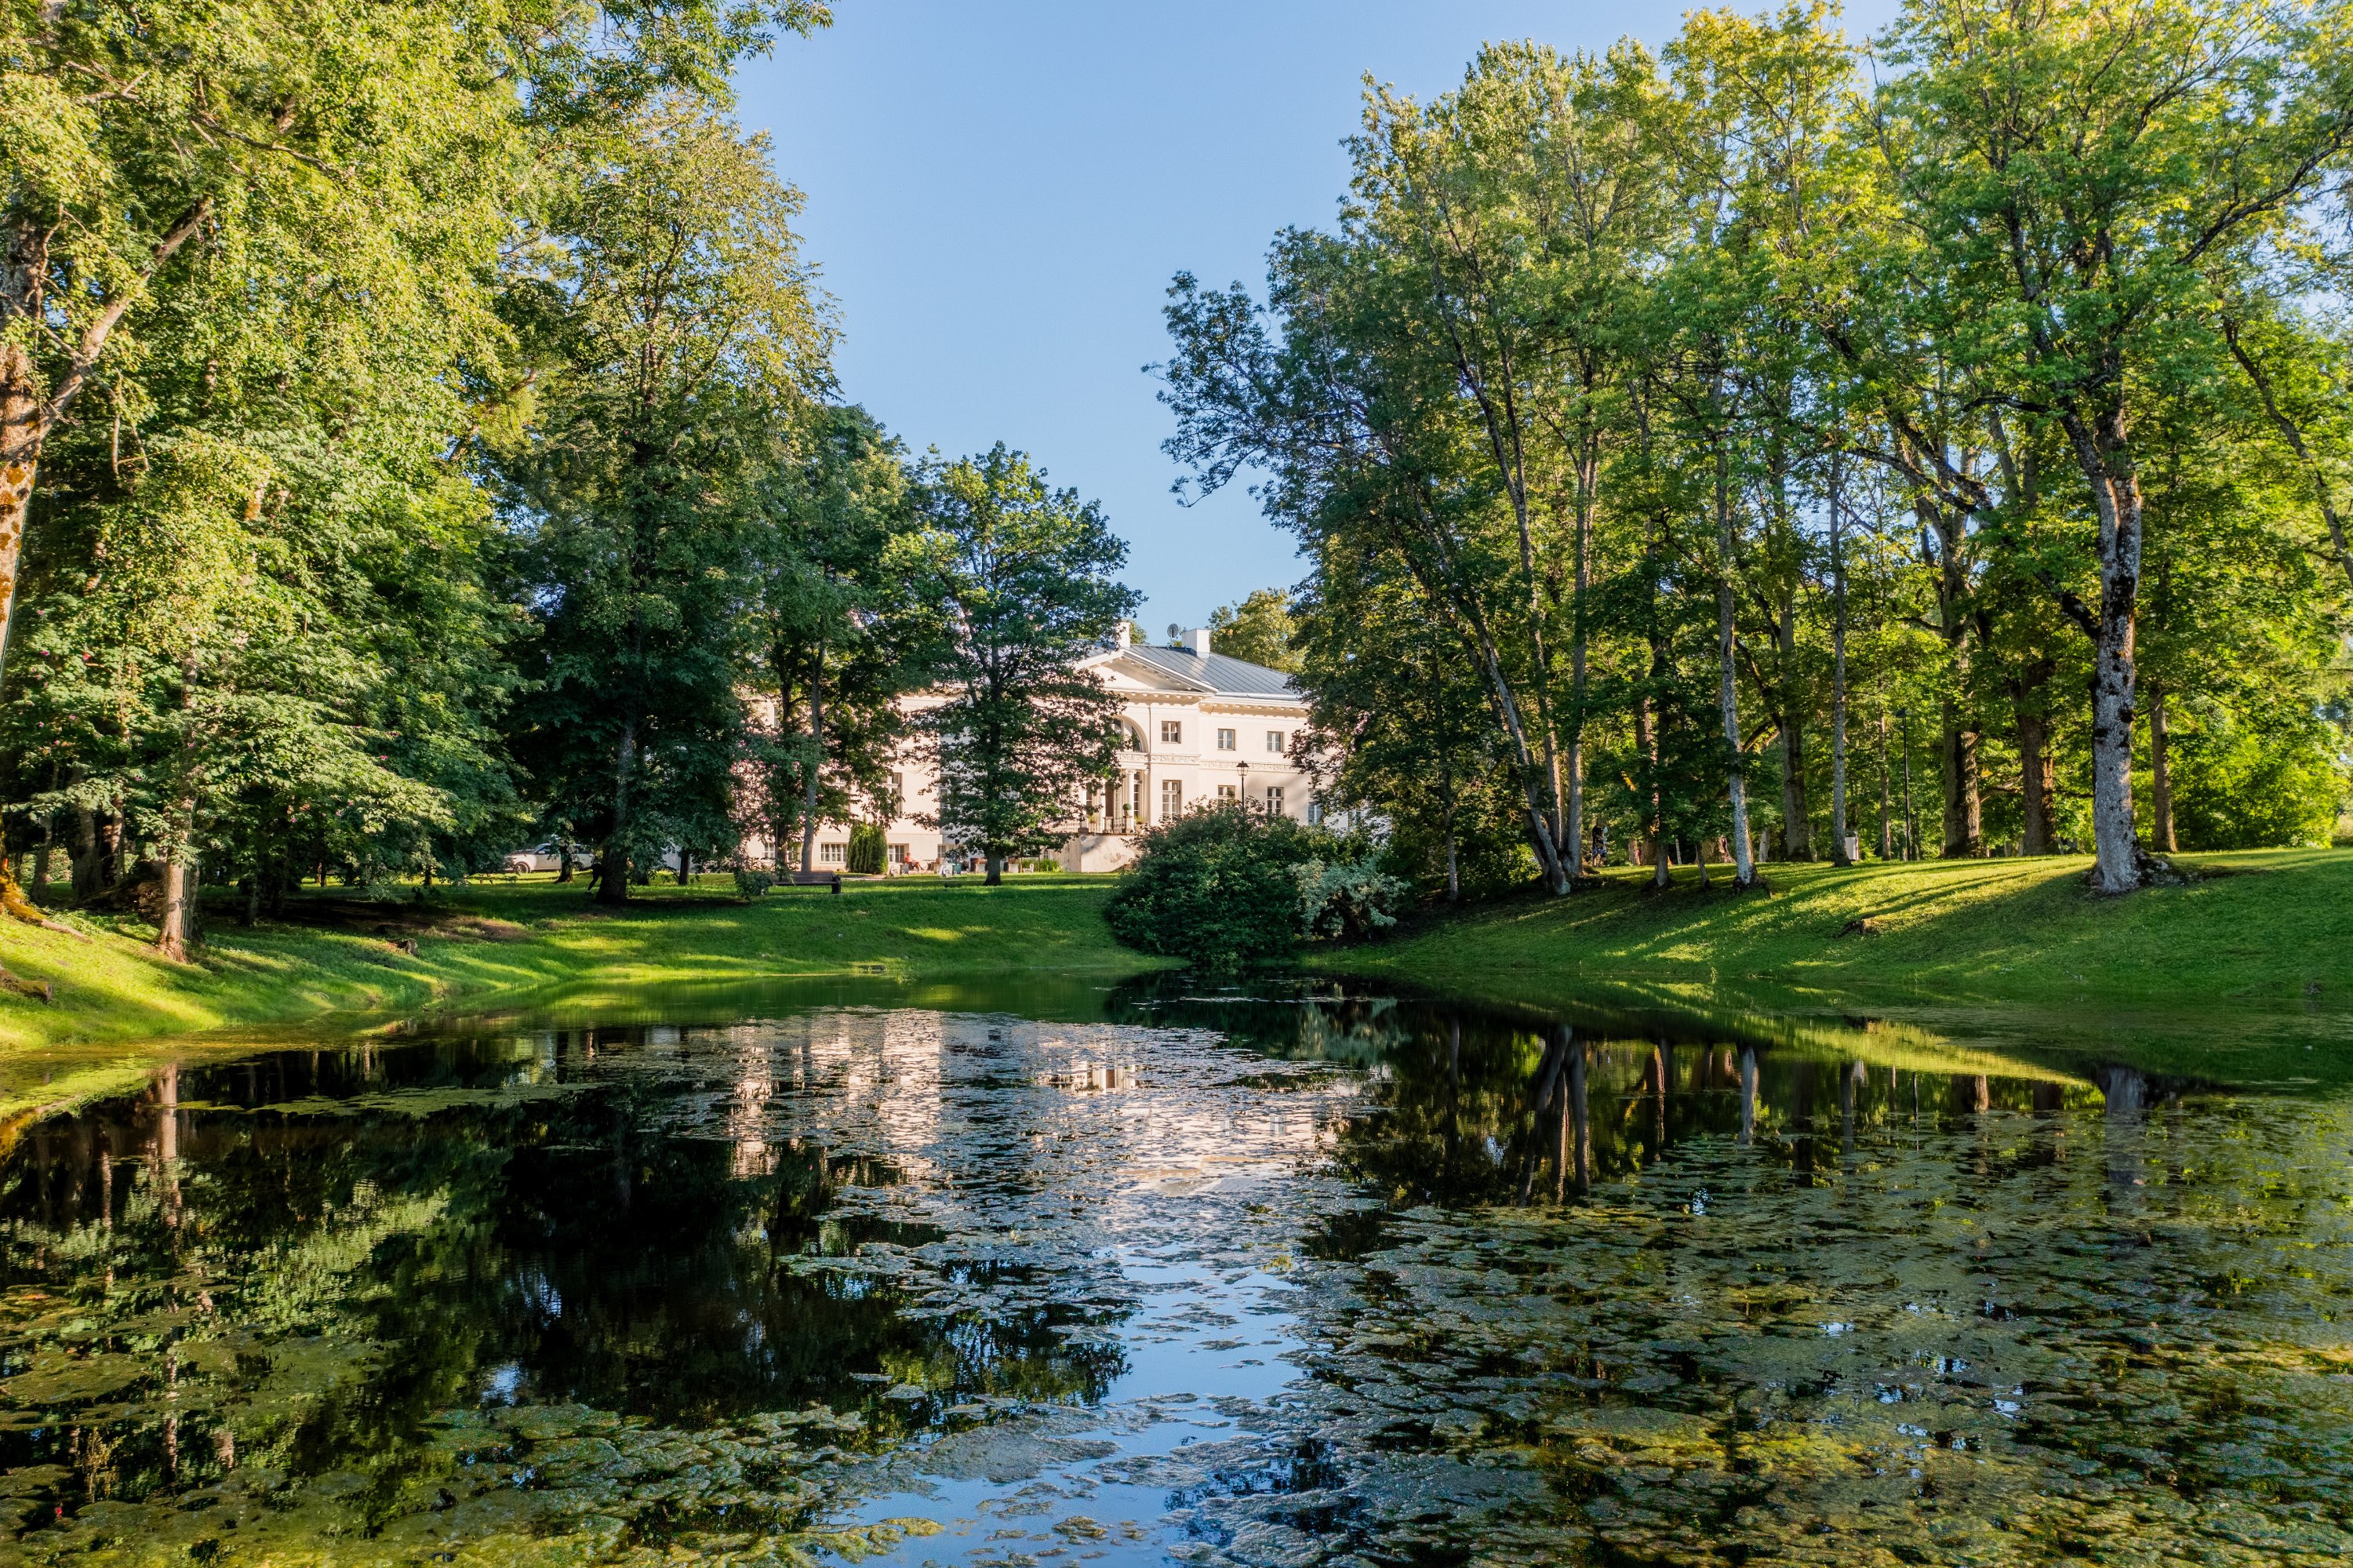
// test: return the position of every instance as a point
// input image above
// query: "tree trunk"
(2100, 453)
(1964, 811)
(1587, 476)
(2036, 781)
(995, 868)
(1744, 867)
(1837, 677)
(564, 857)
(20, 458)
(1886, 788)
(177, 926)
(815, 764)
(1646, 746)
(2160, 773)
(1797, 820)
(613, 870)
(1797, 826)
(1964, 836)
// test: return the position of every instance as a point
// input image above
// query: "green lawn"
(2255, 956)
(495, 941)
(2253, 962)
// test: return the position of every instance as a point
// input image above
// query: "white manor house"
(1199, 726)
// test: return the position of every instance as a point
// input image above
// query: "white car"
(547, 857)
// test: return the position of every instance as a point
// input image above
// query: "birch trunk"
(1588, 476)
(2160, 773)
(1837, 677)
(1886, 788)
(815, 763)
(1744, 866)
(2107, 467)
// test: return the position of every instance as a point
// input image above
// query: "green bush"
(1228, 886)
(1348, 899)
(2236, 786)
(866, 850)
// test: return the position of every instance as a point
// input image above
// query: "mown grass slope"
(2259, 926)
(496, 939)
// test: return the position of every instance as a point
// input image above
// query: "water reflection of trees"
(299, 1263)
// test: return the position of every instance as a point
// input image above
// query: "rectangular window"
(1171, 732)
(1172, 800)
(832, 854)
(1224, 740)
(1314, 814)
(900, 856)
(1274, 800)
(1225, 792)
(1274, 741)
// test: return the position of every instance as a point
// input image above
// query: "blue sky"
(998, 194)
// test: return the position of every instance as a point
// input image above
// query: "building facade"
(1199, 726)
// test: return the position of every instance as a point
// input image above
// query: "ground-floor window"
(1225, 792)
(832, 854)
(1274, 800)
(1314, 814)
(1172, 800)
(899, 855)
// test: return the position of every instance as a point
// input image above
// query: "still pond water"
(1282, 1279)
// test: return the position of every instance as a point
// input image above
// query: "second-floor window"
(1172, 733)
(1274, 741)
(1274, 800)
(1224, 740)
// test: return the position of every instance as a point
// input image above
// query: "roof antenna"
(1175, 634)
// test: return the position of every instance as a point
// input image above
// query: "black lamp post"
(1244, 769)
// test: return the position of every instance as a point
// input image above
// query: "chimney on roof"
(1199, 638)
(1123, 636)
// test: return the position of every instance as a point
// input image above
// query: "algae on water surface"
(1224, 1276)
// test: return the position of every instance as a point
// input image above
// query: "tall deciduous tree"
(2079, 169)
(1260, 629)
(677, 328)
(1031, 593)
(843, 619)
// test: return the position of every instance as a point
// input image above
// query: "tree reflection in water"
(1555, 1289)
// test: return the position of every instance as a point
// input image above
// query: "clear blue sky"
(998, 194)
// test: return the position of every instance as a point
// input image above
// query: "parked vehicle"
(547, 857)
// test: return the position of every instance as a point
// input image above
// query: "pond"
(1148, 1274)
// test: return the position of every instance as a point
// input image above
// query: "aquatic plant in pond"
(1230, 1277)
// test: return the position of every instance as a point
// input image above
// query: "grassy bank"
(2258, 949)
(496, 941)
(2253, 961)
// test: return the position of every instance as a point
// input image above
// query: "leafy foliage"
(1228, 884)
(1029, 586)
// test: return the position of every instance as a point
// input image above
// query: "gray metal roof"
(1216, 672)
